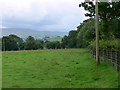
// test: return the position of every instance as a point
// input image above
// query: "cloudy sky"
(43, 15)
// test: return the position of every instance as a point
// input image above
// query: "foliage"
(105, 10)
(70, 40)
(39, 44)
(53, 45)
(81, 37)
(11, 42)
(64, 42)
(108, 11)
(107, 44)
(86, 33)
(30, 43)
(109, 24)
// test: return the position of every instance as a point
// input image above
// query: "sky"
(41, 15)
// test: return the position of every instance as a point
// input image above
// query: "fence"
(111, 56)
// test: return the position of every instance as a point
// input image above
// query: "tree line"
(13, 43)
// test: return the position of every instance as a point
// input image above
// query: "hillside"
(24, 33)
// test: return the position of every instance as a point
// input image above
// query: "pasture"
(54, 39)
(73, 68)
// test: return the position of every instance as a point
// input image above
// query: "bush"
(106, 44)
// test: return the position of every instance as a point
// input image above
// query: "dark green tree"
(107, 12)
(30, 43)
(64, 41)
(11, 42)
(18, 40)
(72, 38)
(86, 33)
(53, 45)
(39, 44)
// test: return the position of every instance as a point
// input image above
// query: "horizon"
(2, 28)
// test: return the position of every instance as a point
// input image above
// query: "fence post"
(111, 58)
(117, 60)
(103, 55)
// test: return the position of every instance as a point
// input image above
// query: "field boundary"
(42, 50)
(110, 56)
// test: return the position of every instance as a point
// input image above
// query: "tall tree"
(64, 43)
(107, 11)
(39, 44)
(30, 43)
(72, 38)
(18, 40)
(86, 33)
(11, 42)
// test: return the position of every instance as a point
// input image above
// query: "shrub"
(106, 44)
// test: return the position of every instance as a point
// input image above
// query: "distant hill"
(24, 33)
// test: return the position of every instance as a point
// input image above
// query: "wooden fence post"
(117, 60)
(111, 56)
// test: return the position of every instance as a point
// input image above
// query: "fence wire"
(110, 56)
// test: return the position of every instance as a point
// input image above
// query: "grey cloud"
(63, 17)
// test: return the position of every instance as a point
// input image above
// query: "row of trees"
(81, 37)
(13, 42)
(109, 27)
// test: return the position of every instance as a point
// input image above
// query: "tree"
(86, 33)
(11, 42)
(30, 43)
(72, 38)
(53, 45)
(64, 41)
(39, 44)
(107, 12)
(18, 40)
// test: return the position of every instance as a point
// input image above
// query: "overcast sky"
(43, 15)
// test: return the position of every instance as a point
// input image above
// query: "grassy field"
(56, 69)
(54, 39)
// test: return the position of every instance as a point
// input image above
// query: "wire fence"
(110, 56)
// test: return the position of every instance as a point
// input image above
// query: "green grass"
(56, 69)
(54, 39)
